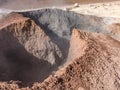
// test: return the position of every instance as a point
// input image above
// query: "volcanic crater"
(52, 49)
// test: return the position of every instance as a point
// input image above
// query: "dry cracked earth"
(52, 49)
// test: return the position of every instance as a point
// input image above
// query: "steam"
(5, 11)
(30, 4)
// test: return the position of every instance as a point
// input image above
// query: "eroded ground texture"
(52, 49)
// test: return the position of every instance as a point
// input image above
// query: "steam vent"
(70, 47)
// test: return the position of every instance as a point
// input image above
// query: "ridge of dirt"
(27, 53)
(96, 69)
(92, 67)
(39, 53)
(11, 18)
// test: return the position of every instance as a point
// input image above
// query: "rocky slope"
(26, 51)
(38, 51)
(95, 64)
(62, 22)
(58, 25)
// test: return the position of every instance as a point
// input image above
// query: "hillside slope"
(27, 53)
(94, 67)
(52, 49)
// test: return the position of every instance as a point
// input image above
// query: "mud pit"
(36, 44)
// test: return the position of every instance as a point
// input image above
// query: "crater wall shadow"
(18, 64)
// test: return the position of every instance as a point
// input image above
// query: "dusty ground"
(111, 9)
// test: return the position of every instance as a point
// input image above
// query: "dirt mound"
(36, 44)
(58, 25)
(27, 53)
(93, 67)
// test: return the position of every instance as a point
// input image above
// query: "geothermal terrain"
(64, 48)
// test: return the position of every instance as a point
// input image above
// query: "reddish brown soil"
(93, 65)
(11, 18)
(95, 68)
(27, 53)
(28, 58)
